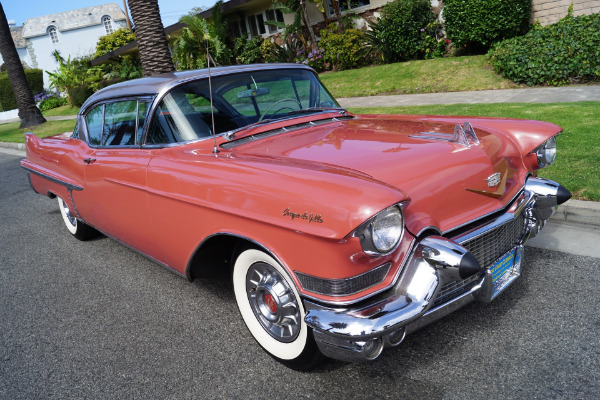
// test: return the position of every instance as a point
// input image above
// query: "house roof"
(17, 35)
(73, 19)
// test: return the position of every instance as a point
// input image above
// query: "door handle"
(89, 161)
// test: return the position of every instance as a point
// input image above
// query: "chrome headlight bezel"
(546, 152)
(381, 234)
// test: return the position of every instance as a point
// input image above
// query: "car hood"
(446, 182)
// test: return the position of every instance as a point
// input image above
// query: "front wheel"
(77, 228)
(271, 308)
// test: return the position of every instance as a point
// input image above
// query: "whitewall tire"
(272, 310)
(77, 228)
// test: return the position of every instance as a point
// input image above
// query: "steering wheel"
(281, 108)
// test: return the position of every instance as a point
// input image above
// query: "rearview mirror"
(253, 92)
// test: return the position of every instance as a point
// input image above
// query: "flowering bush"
(313, 59)
(48, 101)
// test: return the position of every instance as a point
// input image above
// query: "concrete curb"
(573, 211)
(579, 212)
(14, 146)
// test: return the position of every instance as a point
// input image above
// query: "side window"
(93, 120)
(119, 123)
(176, 120)
(142, 111)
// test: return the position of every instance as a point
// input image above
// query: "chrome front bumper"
(438, 269)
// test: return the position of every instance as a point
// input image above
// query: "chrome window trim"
(139, 99)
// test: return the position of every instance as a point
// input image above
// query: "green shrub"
(401, 31)
(113, 41)
(343, 50)
(247, 51)
(52, 102)
(556, 54)
(35, 78)
(474, 25)
(79, 94)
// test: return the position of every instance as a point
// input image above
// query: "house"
(551, 11)
(73, 33)
(248, 18)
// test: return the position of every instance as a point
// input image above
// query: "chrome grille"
(491, 245)
(347, 286)
(455, 288)
(486, 248)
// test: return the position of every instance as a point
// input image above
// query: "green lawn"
(12, 133)
(63, 110)
(577, 165)
(452, 74)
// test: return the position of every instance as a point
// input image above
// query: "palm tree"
(29, 114)
(152, 42)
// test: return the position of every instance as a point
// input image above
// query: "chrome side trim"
(69, 186)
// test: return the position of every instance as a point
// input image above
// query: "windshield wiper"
(231, 134)
(316, 109)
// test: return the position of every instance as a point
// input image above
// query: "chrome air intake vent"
(344, 287)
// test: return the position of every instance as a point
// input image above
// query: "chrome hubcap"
(273, 302)
(70, 217)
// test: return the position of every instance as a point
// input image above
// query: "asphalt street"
(97, 320)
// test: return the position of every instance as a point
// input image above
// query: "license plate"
(506, 270)
(502, 266)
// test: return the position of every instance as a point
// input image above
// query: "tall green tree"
(29, 114)
(152, 42)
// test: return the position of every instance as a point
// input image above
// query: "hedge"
(35, 78)
(568, 51)
(475, 25)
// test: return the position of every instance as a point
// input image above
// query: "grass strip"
(451, 74)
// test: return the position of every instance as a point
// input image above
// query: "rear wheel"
(271, 308)
(77, 228)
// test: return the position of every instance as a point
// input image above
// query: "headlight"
(546, 153)
(381, 234)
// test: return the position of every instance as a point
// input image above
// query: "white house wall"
(75, 43)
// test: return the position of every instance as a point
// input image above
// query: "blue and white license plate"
(505, 270)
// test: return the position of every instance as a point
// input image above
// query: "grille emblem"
(494, 179)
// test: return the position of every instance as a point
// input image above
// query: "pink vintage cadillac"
(342, 233)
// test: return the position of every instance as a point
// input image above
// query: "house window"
(259, 22)
(346, 5)
(53, 32)
(252, 24)
(273, 15)
(107, 22)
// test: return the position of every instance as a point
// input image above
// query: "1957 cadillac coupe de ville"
(341, 232)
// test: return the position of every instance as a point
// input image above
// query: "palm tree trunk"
(152, 42)
(29, 114)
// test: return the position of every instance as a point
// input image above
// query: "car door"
(115, 196)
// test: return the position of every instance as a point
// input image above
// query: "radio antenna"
(212, 110)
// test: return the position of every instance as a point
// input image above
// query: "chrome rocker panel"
(360, 332)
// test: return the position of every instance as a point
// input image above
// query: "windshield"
(239, 100)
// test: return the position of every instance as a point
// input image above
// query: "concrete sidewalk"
(526, 95)
(54, 118)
